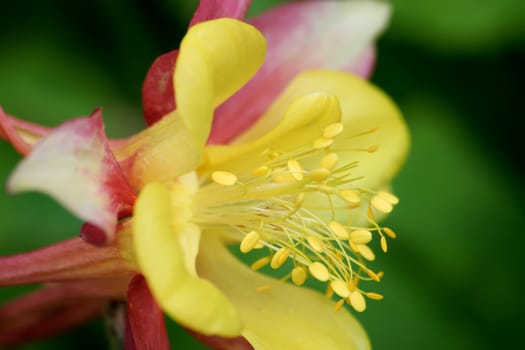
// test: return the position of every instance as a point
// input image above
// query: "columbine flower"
(302, 185)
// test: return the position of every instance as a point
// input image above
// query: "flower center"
(303, 206)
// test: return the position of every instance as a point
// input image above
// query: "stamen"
(319, 271)
(262, 262)
(338, 305)
(249, 242)
(360, 236)
(333, 130)
(389, 232)
(299, 275)
(384, 246)
(224, 178)
(322, 142)
(357, 301)
(295, 169)
(339, 230)
(374, 296)
(340, 288)
(329, 161)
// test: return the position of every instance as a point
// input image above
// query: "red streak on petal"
(145, 317)
(69, 260)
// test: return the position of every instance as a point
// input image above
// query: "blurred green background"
(454, 276)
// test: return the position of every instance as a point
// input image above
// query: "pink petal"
(74, 165)
(14, 130)
(158, 96)
(146, 319)
(211, 9)
(73, 259)
(302, 35)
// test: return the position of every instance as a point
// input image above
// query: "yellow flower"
(302, 187)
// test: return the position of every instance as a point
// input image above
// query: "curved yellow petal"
(216, 58)
(299, 125)
(192, 301)
(161, 152)
(364, 107)
(283, 317)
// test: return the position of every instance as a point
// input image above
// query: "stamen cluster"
(299, 206)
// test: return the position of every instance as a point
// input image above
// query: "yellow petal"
(161, 152)
(216, 59)
(363, 107)
(192, 301)
(302, 123)
(283, 316)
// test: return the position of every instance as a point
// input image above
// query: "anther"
(374, 296)
(350, 196)
(338, 305)
(261, 171)
(372, 149)
(263, 288)
(299, 275)
(366, 252)
(339, 230)
(329, 161)
(279, 258)
(389, 232)
(389, 197)
(322, 142)
(295, 169)
(381, 204)
(249, 242)
(333, 130)
(340, 288)
(224, 178)
(357, 301)
(360, 236)
(319, 271)
(260, 263)
(320, 174)
(384, 246)
(315, 243)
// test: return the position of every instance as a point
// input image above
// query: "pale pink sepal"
(19, 133)
(146, 328)
(158, 95)
(302, 35)
(74, 165)
(73, 259)
(212, 9)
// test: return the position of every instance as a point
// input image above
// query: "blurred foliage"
(453, 277)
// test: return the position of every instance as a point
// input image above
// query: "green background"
(454, 276)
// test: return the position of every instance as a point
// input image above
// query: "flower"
(322, 154)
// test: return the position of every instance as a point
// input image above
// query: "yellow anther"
(279, 258)
(295, 169)
(357, 301)
(384, 246)
(263, 288)
(381, 204)
(372, 149)
(262, 262)
(350, 196)
(389, 197)
(319, 271)
(339, 230)
(340, 288)
(282, 175)
(299, 275)
(333, 130)
(322, 142)
(389, 232)
(224, 178)
(320, 174)
(249, 241)
(370, 214)
(374, 296)
(360, 236)
(259, 245)
(329, 161)
(380, 274)
(329, 291)
(338, 305)
(353, 246)
(261, 171)
(315, 243)
(366, 252)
